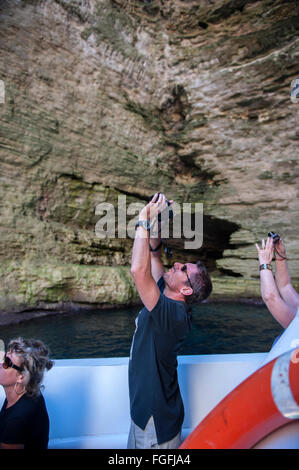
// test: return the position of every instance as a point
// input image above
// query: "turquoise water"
(218, 328)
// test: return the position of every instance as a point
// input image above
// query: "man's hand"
(157, 205)
(265, 253)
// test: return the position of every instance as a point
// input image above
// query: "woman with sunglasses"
(24, 421)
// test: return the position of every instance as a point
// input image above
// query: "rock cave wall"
(120, 97)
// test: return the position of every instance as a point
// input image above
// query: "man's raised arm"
(142, 265)
(155, 250)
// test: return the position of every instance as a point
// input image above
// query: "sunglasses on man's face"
(184, 269)
(7, 364)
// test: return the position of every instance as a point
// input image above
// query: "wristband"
(155, 249)
(265, 266)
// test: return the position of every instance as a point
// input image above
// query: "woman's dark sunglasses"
(184, 268)
(7, 363)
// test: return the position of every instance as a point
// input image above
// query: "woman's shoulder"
(28, 404)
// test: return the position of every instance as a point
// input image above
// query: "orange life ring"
(266, 400)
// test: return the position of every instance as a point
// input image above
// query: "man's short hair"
(201, 283)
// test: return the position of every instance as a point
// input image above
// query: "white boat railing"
(88, 399)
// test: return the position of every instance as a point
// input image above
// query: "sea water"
(218, 328)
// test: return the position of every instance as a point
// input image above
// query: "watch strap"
(143, 223)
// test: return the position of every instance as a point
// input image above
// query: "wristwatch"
(265, 266)
(143, 223)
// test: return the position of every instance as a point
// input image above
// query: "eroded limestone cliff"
(126, 97)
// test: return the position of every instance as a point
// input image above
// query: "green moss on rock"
(36, 285)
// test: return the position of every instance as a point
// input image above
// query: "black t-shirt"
(153, 383)
(26, 422)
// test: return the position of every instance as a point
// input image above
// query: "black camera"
(275, 237)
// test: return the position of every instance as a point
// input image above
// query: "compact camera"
(275, 237)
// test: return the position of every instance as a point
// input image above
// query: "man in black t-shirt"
(156, 405)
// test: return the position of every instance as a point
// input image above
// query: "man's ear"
(186, 290)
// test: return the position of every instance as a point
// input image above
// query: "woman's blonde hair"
(35, 359)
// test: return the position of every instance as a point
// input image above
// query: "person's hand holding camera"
(280, 251)
(157, 204)
(265, 253)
